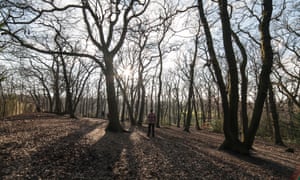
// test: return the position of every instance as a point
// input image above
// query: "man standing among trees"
(151, 123)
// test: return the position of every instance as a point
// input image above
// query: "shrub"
(216, 125)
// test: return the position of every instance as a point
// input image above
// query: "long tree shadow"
(196, 155)
(89, 152)
(25, 142)
(189, 162)
(108, 158)
(60, 158)
(277, 169)
(75, 157)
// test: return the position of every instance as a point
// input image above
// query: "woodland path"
(52, 147)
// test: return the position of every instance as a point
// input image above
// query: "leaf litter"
(46, 146)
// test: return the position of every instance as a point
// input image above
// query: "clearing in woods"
(45, 146)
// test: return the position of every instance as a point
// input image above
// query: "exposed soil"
(45, 146)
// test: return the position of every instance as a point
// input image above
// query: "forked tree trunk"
(191, 86)
(264, 78)
(244, 85)
(230, 140)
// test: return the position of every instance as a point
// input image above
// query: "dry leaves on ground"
(47, 147)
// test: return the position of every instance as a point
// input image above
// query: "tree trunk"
(189, 109)
(57, 108)
(151, 94)
(37, 100)
(244, 85)
(217, 104)
(142, 107)
(141, 92)
(232, 126)
(278, 139)
(170, 116)
(197, 126)
(202, 111)
(230, 106)
(185, 114)
(203, 114)
(123, 109)
(4, 102)
(217, 70)
(128, 105)
(137, 102)
(264, 78)
(176, 105)
(191, 84)
(158, 113)
(113, 116)
(209, 105)
(291, 133)
(98, 115)
(268, 127)
(69, 95)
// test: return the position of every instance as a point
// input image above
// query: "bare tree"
(230, 102)
(106, 28)
(244, 83)
(191, 93)
(164, 29)
(264, 79)
(39, 71)
(108, 21)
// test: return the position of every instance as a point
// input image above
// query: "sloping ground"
(58, 147)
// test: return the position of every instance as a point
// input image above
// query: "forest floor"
(45, 146)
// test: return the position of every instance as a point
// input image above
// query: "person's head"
(151, 110)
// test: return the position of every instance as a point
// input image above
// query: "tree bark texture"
(264, 78)
(275, 117)
(113, 113)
